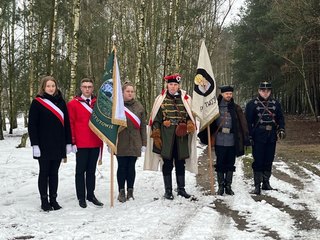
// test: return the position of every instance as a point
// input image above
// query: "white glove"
(109, 149)
(74, 149)
(69, 148)
(143, 149)
(36, 151)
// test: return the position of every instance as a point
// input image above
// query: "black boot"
(181, 184)
(220, 176)
(168, 187)
(45, 205)
(257, 177)
(228, 183)
(266, 183)
(53, 202)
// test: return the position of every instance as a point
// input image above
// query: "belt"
(174, 121)
(226, 130)
(266, 127)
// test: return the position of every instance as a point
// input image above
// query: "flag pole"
(113, 39)
(111, 179)
(210, 162)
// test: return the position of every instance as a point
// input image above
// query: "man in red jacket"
(86, 144)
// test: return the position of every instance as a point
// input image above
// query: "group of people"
(169, 140)
(260, 127)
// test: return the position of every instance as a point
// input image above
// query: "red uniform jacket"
(79, 116)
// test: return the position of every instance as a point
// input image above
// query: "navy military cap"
(226, 88)
(265, 85)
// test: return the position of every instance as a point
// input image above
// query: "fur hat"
(226, 88)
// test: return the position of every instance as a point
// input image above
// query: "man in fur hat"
(168, 143)
(231, 135)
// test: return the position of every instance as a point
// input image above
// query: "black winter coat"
(47, 131)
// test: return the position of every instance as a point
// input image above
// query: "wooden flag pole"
(210, 162)
(111, 179)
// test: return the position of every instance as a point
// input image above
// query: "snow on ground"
(149, 216)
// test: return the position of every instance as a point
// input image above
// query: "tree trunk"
(74, 51)
(52, 37)
(11, 68)
(141, 49)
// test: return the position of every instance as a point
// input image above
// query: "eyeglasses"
(87, 87)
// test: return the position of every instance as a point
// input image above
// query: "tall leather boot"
(266, 182)
(228, 183)
(181, 184)
(168, 187)
(53, 202)
(258, 178)
(45, 205)
(220, 177)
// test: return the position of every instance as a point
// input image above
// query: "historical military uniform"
(231, 133)
(265, 120)
(168, 111)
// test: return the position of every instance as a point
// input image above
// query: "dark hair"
(86, 80)
(127, 84)
(43, 83)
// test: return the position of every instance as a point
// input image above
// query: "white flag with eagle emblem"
(204, 99)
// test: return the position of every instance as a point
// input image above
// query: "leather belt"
(226, 130)
(266, 127)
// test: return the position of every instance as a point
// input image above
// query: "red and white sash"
(86, 106)
(133, 118)
(52, 108)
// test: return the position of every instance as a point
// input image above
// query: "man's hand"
(281, 134)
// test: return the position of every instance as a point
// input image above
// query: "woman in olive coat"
(131, 142)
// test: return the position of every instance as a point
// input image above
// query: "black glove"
(247, 141)
(251, 141)
(281, 134)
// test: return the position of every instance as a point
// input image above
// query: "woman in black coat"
(50, 137)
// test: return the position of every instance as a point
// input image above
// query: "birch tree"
(74, 50)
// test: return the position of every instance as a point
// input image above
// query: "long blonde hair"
(43, 83)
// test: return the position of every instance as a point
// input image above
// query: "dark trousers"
(86, 163)
(126, 171)
(263, 155)
(168, 164)
(226, 158)
(48, 175)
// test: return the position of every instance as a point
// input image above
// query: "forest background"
(274, 40)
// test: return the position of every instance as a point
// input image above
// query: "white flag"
(204, 99)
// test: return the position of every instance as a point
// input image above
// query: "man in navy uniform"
(266, 125)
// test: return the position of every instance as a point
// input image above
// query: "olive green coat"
(131, 139)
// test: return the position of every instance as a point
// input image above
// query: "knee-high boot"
(258, 178)
(228, 180)
(266, 182)
(220, 177)
(181, 184)
(168, 187)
